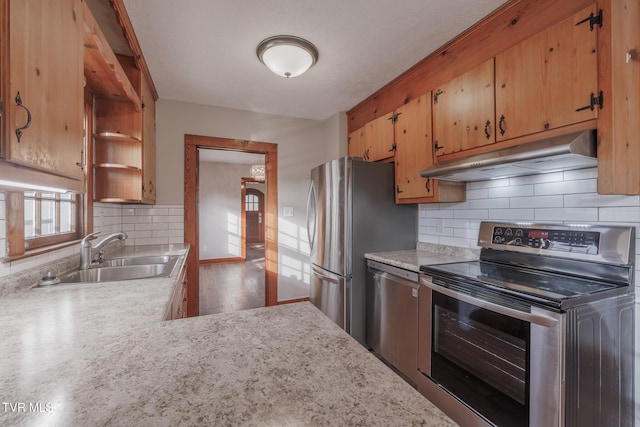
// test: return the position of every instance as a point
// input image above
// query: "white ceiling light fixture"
(258, 172)
(287, 56)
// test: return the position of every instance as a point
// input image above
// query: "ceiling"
(203, 51)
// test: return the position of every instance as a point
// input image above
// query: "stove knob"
(519, 232)
(508, 232)
(518, 241)
(497, 239)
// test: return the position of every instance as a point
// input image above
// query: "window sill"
(40, 251)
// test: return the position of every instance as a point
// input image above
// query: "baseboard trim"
(217, 260)
(291, 301)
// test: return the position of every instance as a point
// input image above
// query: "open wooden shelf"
(117, 166)
(117, 184)
(116, 150)
(114, 136)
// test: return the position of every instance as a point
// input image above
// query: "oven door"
(500, 357)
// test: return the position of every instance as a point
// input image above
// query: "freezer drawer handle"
(324, 276)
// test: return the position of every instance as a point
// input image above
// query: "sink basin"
(113, 274)
(139, 260)
(126, 268)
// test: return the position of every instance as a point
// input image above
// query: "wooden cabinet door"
(414, 150)
(463, 111)
(148, 144)
(378, 138)
(543, 82)
(46, 69)
(356, 143)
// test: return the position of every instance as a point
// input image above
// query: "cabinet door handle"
(81, 164)
(26, 126)
(428, 185)
(398, 190)
(437, 147)
(487, 126)
(436, 95)
(501, 125)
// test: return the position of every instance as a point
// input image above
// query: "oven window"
(482, 358)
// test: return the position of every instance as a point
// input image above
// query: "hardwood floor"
(233, 286)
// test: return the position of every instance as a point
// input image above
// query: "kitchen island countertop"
(84, 355)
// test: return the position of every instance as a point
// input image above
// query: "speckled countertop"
(85, 355)
(424, 254)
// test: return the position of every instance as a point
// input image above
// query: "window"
(251, 203)
(49, 218)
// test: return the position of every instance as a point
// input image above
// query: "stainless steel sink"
(126, 268)
(112, 274)
(139, 260)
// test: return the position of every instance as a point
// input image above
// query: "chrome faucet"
(88, 253)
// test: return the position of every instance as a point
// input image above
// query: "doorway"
(192, 221)
(253, 203)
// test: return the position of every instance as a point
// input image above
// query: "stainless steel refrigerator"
(351, 210)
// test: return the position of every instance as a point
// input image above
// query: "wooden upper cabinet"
(464, 110)
(356, 143)
(148, 144)
(414, 152)
(378, 139)
(547, 81)
(45, 68)
(413, 148)
(619, 79)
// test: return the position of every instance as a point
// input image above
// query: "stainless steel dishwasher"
(392, 316)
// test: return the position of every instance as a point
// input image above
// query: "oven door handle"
(537, 318)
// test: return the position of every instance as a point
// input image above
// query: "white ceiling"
(203, 51)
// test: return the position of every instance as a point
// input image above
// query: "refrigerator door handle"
(312, 215)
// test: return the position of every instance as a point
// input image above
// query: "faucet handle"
(85, 239)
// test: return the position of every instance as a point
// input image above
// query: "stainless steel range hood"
(566, 152)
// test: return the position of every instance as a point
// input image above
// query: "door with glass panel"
(254, 211)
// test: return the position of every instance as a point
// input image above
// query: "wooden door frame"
(270, 151)
(243, 214)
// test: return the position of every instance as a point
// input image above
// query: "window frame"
(16, 242)
(252, 201)
(40, 240)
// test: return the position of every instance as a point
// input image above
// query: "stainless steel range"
(538, 332)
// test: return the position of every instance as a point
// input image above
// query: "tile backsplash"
(561, 197)
(145, 225)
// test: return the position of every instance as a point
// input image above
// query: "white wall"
(336, 135)
(302, 145)
(220, 209)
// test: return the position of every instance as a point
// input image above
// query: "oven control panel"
(577, 241)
